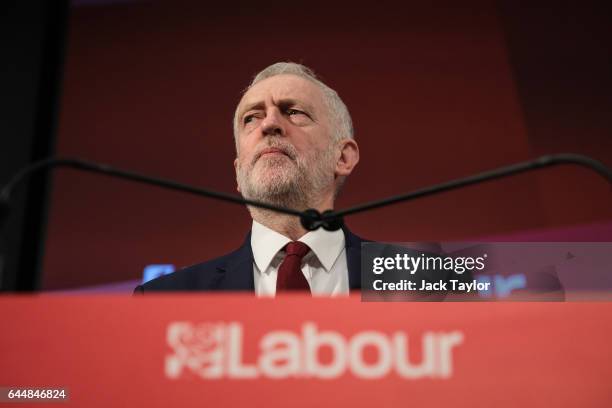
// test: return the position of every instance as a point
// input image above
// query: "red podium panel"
(235, 350)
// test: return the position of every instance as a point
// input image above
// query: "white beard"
(288, 181)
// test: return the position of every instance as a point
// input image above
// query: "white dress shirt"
(325, 266)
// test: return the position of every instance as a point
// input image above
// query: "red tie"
(290, 276)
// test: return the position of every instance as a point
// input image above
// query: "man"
(294, 147)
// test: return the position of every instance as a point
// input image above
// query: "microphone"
(310, 219)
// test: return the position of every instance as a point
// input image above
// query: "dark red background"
(435, 93)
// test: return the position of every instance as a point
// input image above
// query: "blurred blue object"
(502, 285)
(155, 271)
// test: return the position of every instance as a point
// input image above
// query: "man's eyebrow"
(282, 103)
(251, 106)
(285, 103)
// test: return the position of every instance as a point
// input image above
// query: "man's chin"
(271, 175)
(274, 188)
(274, 162)
(275, 192)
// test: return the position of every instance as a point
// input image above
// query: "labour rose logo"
(196, 347)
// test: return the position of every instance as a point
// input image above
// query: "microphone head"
(311, 219)
(331, 222)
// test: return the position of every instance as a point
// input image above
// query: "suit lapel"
(353, 258)
(237, 272)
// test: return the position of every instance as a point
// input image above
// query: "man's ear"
(348, 158)
(236, 170)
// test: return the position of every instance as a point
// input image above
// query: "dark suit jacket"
(234, 271)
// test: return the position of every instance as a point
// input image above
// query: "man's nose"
(272, 125)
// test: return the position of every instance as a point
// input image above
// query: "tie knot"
(297, 248)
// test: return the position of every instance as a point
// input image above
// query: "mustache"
(286, 148)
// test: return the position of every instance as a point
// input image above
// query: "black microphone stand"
(310, 219)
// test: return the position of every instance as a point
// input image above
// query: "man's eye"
(293, 112)
(248, 119)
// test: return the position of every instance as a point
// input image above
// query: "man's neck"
(287, 225)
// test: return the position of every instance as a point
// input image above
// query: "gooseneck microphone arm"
(311, 219)
(522, 167)
(5, 193)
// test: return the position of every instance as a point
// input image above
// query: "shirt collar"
(265, 243)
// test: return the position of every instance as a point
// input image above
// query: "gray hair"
(341, 119)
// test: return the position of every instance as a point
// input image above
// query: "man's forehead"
(283, 87)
